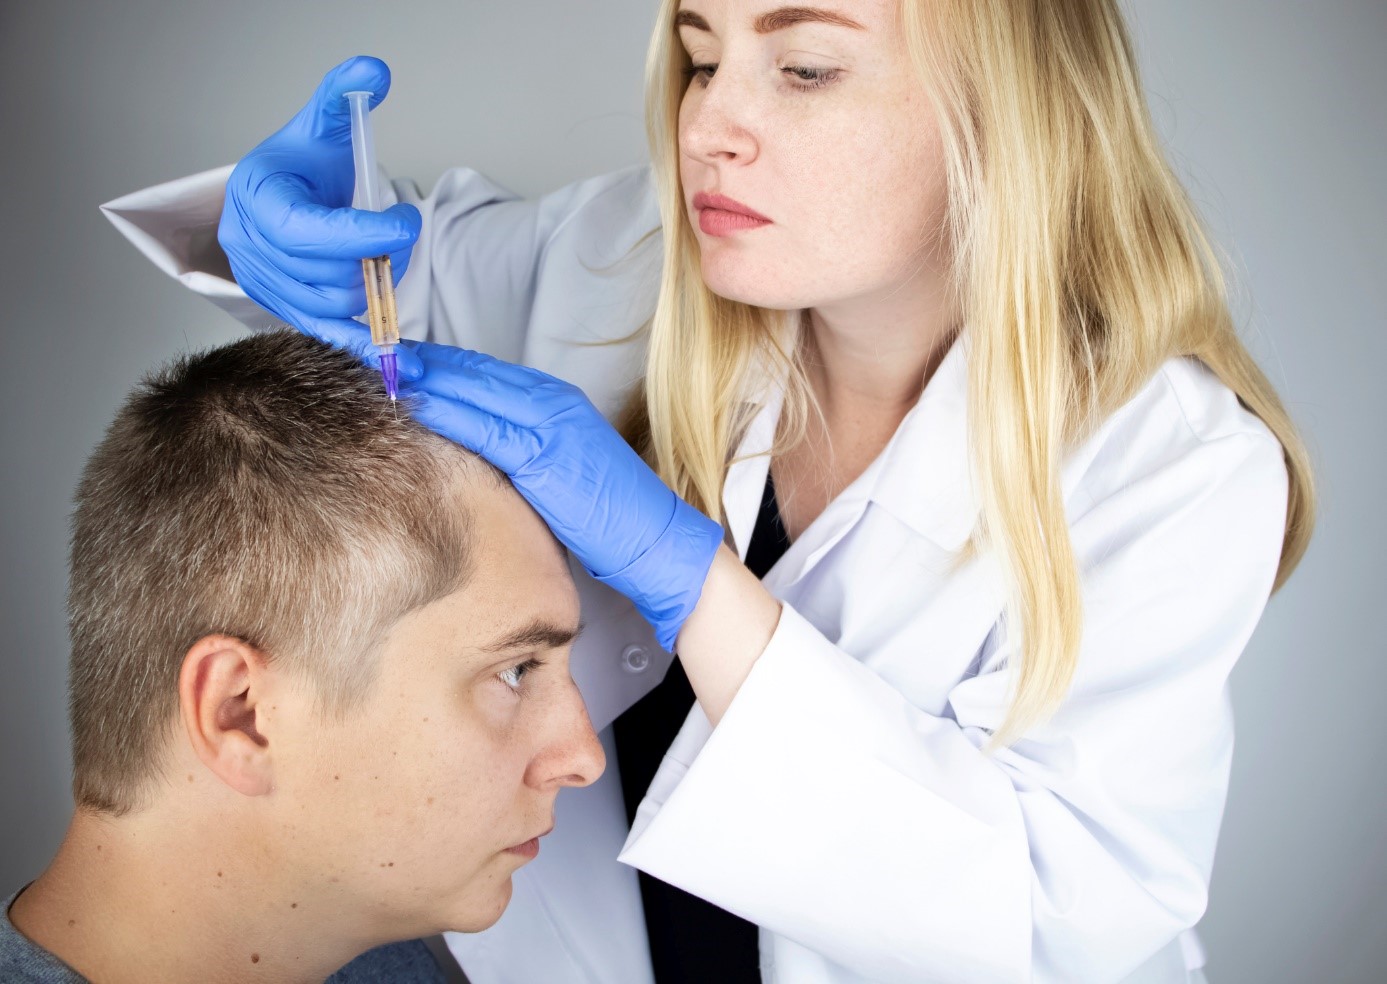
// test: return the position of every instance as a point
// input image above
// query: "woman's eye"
(811, 78)
(513, 676)
(804, 76)
(700, 72)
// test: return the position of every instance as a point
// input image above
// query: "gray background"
(1273, 110)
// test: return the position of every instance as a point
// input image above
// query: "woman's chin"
(737, 286)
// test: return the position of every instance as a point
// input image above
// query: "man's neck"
(141, 898)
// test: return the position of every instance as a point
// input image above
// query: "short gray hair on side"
(266, 490)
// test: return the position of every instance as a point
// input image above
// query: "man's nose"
(713, 127)
(573, 756)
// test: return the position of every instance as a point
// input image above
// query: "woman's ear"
(220, 694)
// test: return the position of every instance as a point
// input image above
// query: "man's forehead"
(519, 593)
(480, 623)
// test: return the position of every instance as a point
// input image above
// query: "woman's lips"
(719, 215)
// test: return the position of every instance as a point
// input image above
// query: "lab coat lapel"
(746, 475)
(746, 478)
(923, 477)
(926, 477)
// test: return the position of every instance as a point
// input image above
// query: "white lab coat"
(843, 804)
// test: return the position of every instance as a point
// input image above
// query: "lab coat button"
(634, 659)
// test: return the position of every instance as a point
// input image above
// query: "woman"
(937, 340)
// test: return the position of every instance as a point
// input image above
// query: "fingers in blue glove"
(291, 220)
(450, 357)
(327, 113)
(523, 396)
(292, 240)
(293, 287)
(599, 498)
(354, 337)
(508, 446)
(345, 272)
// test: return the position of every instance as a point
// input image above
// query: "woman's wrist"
(726, 633)
(666, 578)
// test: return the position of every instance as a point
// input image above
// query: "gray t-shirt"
(22, 961)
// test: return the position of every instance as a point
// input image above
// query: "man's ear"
(220, 694)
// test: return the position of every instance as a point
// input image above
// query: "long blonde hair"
(1080, 265)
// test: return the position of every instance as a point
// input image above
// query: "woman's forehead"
(770, 16)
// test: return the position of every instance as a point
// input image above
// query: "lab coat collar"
(923, 477)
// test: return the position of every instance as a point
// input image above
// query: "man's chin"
(478, 913)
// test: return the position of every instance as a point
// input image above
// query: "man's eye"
(514, 675)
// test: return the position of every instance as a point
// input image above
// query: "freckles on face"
(849, 170)
(403, 810)
(406, 804)
(416, 797)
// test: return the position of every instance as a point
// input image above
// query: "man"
(319, 691)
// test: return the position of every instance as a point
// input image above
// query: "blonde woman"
(953, 489)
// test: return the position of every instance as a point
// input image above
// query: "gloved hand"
(601, 500)
(294, 242)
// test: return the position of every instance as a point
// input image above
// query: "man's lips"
(528, 848)
(704, 200)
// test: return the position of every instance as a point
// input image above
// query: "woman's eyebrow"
(538, 634)
(775, 20)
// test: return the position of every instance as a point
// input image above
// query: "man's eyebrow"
(538, 634)
(775, 20)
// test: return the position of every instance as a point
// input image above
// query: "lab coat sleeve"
(476, 280)
(472, 275)
(174, 225)
(828, 809)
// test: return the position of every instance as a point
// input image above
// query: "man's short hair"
(266, 490)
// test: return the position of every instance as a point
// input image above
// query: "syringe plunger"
(364, 153)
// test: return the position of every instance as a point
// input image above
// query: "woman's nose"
(714, 123)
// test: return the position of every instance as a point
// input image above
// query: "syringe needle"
(390, 372)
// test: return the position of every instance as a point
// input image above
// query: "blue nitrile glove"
(294, 242)
(601, 500)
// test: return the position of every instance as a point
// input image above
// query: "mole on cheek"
(255, 958)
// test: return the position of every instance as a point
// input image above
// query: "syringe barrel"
(381, 314)
(364, 153)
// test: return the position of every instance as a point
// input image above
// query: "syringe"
(380, 282)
